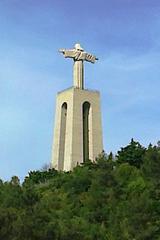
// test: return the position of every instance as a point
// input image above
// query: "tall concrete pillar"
(69, 135)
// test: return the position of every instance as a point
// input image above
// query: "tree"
(101, 200)
(151, 166)
(132, 154)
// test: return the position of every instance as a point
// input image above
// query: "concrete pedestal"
(78, 130)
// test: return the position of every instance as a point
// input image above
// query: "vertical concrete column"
(97, 138)
(78, 74)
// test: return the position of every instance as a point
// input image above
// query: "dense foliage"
(114, 198)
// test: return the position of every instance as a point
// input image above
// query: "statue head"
(78, 47)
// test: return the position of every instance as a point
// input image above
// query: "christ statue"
(79, 55)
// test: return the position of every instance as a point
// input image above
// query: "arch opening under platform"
(62, 135)
(86, 126)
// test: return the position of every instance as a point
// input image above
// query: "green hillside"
(115, 198)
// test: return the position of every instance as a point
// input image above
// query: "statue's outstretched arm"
(90, 58)
(61, 50)
(68, 53)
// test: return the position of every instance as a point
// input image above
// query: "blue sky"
(123, 34)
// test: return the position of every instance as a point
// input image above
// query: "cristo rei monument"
(78, 130)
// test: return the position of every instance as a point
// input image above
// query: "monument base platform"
(78, 130)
